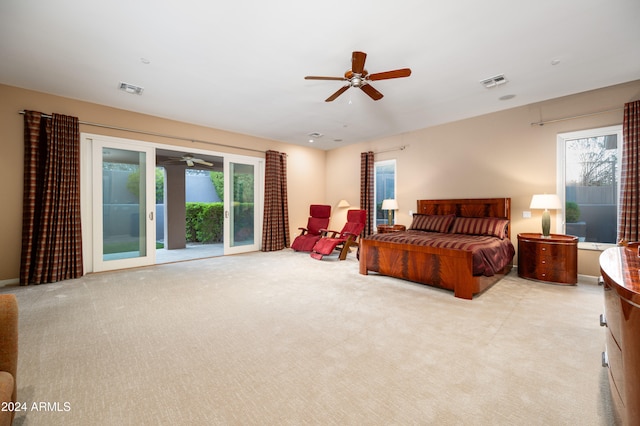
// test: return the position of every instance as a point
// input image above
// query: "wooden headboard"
(469, 207)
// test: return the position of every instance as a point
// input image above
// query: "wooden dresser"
(619, 267)
(553, 259)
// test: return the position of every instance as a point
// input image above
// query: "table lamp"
(545, 202)
(390, 205)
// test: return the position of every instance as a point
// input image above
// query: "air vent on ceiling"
(130, 88)
(493, 81)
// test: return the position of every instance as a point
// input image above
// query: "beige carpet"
(280, 338)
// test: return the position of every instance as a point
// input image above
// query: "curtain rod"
(542, 123)
(143, 132)
(398, 148)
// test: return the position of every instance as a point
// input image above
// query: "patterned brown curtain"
(275, 228)
(630, 175)
(51, 232)
(366, 189)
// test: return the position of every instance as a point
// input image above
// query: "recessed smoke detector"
(130, 88)
(494, 81)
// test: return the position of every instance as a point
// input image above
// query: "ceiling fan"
(357, 76)
(191, 160)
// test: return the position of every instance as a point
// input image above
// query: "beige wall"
(306, 166)
(494, 155)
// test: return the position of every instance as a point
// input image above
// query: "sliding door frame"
(86, 170)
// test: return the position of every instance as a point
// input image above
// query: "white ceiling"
(240, 65)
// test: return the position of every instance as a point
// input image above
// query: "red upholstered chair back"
(319, 210)
(319, 219)
(356, 220)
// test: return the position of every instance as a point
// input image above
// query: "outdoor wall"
(494, 155)
(306, 166)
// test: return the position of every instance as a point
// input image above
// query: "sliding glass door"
(123, 205)
(242, 215)
(119, 202)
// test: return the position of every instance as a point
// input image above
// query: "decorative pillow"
(432, 222)
(492, 226)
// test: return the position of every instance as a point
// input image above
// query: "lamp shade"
(389, 205)
(343, 204)
(545, 202)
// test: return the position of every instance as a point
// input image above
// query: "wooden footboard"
(445, 268)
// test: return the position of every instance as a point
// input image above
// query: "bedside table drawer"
(550, 250)
(383, 229)
(551, 273)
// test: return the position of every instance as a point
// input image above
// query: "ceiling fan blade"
(200, 161)
(338, 93)
(373, 93)
(314, 77)
(404, 72)
(357, 62)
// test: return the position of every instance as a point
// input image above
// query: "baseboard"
(12, 281)
(587, 279)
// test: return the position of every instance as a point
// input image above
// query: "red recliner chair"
(309, 236)
(343, 240)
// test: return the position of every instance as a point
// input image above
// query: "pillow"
(493, 226)
(432, 222)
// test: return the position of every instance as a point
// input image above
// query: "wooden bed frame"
(445, 268)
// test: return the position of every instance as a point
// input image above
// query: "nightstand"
(383, 229)
(553, 259)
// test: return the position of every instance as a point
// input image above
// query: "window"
(384, 186)
(588, 184)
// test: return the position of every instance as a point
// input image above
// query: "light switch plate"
(526, 214)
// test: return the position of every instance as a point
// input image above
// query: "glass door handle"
(150, 215)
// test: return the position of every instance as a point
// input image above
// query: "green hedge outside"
(204, 222)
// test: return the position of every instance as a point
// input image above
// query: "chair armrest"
(351, 234)
(326, 232)
(9, 333)
(7, 387)
(9, 340)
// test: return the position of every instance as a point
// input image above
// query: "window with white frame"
(384, 186)
(589, 185)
